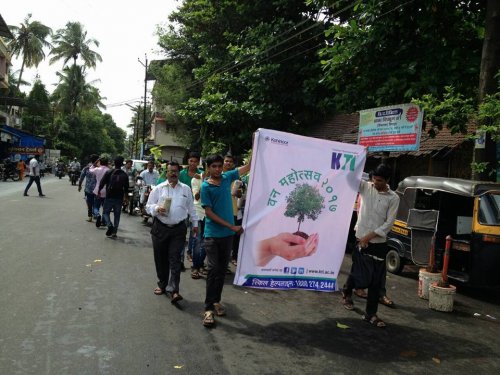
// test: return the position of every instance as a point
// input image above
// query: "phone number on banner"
(310, 283)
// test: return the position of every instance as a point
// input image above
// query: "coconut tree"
(72, 43)
(30, 40)
(73, 92)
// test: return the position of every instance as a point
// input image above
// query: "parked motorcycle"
(9, 170)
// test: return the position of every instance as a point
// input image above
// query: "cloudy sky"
(126, 31)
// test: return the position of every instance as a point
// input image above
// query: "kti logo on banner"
(343, 160)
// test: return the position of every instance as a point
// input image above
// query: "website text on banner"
(299, 205)
(394, 128)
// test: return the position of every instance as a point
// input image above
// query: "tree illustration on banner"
(304, 201)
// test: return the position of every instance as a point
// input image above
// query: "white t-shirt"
(34, 167)
(196, 188)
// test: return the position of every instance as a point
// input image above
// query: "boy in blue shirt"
(219, 231)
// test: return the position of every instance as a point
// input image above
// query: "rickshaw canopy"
(467, 188)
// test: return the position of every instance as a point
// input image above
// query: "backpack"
(116, 181)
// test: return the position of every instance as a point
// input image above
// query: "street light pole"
(145, 65)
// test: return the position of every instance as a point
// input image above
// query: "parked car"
(139, 165)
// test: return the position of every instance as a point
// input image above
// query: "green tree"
(304, 201)
(388, 52)
(248, 68)
(73, 93)
(30, 41)
(72, 43)
(37, 113)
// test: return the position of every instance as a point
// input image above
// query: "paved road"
(75, 302)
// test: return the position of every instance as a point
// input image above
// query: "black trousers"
(218, 255)
(35, 179)
(375, 271)
(236, 240)
(168, 244)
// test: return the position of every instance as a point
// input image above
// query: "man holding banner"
(297, 211)
(376, 217)
(216, 199)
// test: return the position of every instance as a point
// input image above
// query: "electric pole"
(145, 65)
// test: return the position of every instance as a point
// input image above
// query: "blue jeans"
(89, 199)
(114, 204)
(199, 253)
(98, 202)
(36, 180)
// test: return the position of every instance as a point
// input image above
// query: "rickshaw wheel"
(393, 262)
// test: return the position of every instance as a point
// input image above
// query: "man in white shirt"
(170, 203)
(375, 220)
(150, 175)
(99, 195)
(34, 177)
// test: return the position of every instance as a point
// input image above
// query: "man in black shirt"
(116, 182)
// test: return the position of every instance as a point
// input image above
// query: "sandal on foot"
(347, 303)
(175, 297)
(219, 309)
(375, 321)
(208, 319)
(195, 274)
(159, 291)
(361, 293)
(384, 300)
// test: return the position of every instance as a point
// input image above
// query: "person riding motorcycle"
(131, 173)
(149, 178)
(60, 168)
(74, 171)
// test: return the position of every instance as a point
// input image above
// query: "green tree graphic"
(304, 201)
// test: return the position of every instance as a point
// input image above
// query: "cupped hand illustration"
(286, 245)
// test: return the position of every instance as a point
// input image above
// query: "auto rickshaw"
(432, 208)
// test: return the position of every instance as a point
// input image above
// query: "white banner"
(299, 205)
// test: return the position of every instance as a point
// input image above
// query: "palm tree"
(71, 43)
(74, 93)
(30, 40)
(15, 83)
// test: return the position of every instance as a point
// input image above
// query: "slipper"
(195, 274)
(347, 302)
(176, 297)
(219, 309)
(159, 291)
(386, 301)
(208, 319)
(361, 293)
(375, 321)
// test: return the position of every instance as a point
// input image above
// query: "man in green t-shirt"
(219, 231)
(188, 173)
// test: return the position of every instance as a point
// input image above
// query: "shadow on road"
(399, 343)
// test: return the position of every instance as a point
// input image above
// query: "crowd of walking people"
(195, 208)
(200, 209)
